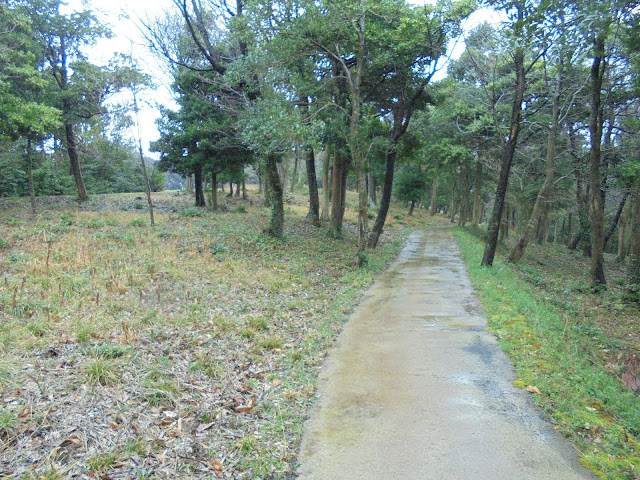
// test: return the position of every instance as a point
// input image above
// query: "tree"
(410, 185)
(78, 87)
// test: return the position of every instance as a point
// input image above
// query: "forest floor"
(187, 350)
(578, 350)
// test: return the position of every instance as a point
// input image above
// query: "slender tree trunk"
(326, 188)
(294, 177)
(413, 204)
(354, 124)
(230, 194)
(509, 149)
(72, 151)
(197, 172)
(543, 225)
(214, 191)
(434, 190)
(244, 190)
(622, 231)
(477, 192)
(616, 219)
(371, 185)
(276, 222)
(32, 190)
(385, 199)
(545, 190)
(147, 183)
(338, 194)
(314, 203)
(595, 178)
(569, 228)
(634, 252)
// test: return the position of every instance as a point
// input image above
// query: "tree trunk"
(477, 192)
(622, 231)
(244, 190)
(543, 225)
(72, 151)
(509, 149)
(595, 178)
(214, 191)
(569, 228)
(385, 199)
(276, 222)
(326, 188)
(294, 176)
(230, 194)
(543, 195)
(634, 252)
(338, 193)
(197, 172)
(314, 203)
(354, 125)
(32, 190)
(371, 185)
(616, 219)
(237, 190)
(434, 190)
(504, 224)
(413, 204)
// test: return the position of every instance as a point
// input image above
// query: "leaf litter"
(132, 352)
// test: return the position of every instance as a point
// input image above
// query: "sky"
(123, 18)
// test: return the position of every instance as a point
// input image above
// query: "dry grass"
(188, 350)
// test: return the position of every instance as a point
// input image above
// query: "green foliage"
(410, 183)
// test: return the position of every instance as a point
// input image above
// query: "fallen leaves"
(532, 389)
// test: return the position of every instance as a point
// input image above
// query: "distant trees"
(51, 96)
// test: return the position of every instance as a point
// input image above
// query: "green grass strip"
(551, 351)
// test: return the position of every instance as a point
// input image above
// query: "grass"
(559, 341)
(141, 337)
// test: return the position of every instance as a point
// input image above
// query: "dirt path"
(417, 389)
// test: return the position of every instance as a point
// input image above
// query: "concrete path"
(417, 389)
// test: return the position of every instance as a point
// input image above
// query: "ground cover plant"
(188, 350)
(576, 351)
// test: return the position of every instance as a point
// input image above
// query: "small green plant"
(109, 350)
(17, 257)
(100, 464)
(212, 368)
(137, 448)
(241, 209)
(271, 343)
(84, 334)
(101, 372)
(37, 328)
(95, 223)
(67, 219)
(137, 222)
(4, 243)
(218, 249)
(191, 212)
(138, 204)
(8, 421)
(257, 322)
(246, 445)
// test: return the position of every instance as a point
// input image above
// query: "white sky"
(121, 16)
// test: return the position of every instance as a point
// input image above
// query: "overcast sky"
(122, 15)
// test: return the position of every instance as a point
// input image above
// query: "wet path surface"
(416, 388)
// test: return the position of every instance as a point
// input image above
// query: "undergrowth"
(198, 341)
(544, 326)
